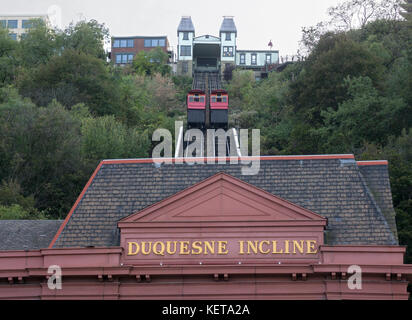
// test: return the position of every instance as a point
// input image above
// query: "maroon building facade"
(304, 227)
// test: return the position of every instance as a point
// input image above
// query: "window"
(242, 58)
(13, 36)
(23, 36)
(185, 51)
(3, 23)
(185, 35)
(26, 24)
(268, 58)
(185, 67)
(228, 36)
(123, 43)
(253, 62)
(12, 24)
(124, 58)
(155, 42)
(228, 51)
(148, 43)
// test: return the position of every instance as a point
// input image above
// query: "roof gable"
(223, 198)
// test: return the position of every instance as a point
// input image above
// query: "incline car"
(219, 105)
(196, 108)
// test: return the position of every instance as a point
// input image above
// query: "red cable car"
(196, 108)
(219, 105)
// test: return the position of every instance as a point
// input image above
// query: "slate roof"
(27, 234)
(185, 25)
(332, 187)
(228, 25)
(377, 179)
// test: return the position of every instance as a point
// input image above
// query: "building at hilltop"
(18, 25)
(124, 49)
(218, 53)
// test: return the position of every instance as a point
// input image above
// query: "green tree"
(320, 85)
(71, 78)
(8, 57)
(87, 37)
(365, 116)
(151, 62)
(39, 44)
(40, 150)
(107, 138)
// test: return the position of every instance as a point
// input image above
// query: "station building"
(208, 53)
(172, 229)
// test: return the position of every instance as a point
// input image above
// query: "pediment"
(206, 38)
(223, 198)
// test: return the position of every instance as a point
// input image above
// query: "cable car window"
(202, 99)
(224, 99)
(191, 99)
(214, 99)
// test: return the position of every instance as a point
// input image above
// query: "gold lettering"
(287, 246)
(160, 252)
(311, 246)
(253, 246)
(298, 246)
(221, 245)
(261, 246)
(210, 247)
(144, 251)
(275, 247)
(184, 247)
(131, 252)
(168, 250)
(197, 245)
(241, 247)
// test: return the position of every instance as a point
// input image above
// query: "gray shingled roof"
(377, 179)
(186, 25)
(333, 188)
(27, 234)
(228, 25)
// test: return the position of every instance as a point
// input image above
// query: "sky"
(257, 21)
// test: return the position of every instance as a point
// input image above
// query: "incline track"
(208, 82)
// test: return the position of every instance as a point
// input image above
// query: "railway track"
(211, 145)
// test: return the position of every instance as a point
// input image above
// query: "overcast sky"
(257, 21)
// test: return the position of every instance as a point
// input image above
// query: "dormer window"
(228, 36)
(185, 35)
